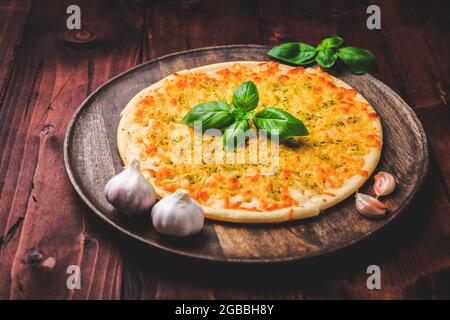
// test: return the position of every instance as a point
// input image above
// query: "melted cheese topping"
(341, 134)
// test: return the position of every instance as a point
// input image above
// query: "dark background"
(46, 71)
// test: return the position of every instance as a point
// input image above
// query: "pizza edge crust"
(310, 209)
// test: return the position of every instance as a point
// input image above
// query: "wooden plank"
(419, 58)
(13, 17)
(173, 26)
(405, 28)
(41, 216)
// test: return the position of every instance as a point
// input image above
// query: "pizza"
(311, 173)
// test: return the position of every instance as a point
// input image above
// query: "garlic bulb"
(369, 207)
(384, 184)
(129, 191)
(178, 215)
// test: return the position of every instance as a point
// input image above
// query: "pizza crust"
(312, 208)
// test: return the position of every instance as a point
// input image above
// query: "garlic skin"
(369, 207)
(129, 191)
(384, 184)
(178, 215)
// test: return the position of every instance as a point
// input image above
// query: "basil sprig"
(235, 118)
(358, 61)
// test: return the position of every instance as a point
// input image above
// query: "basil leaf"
(331, 42)
(294, 52)
(214, 114)
(235, 135)
(359, 61)
(246, 96)
(326, 58)
(278, 122)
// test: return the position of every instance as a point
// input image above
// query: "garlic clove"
(129, 191)
(369, 207)
(178, 215)
(384, 184)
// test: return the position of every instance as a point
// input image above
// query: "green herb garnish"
(235, 118)
(278, 122)
(234, 135)
(358, 61)
(213, 115)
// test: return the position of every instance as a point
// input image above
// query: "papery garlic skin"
(129, 191)
(178, 215)
(384, 184)
(369, 207)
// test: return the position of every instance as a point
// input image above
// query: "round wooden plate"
(91, 158)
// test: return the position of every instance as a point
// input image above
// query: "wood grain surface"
(46, 71)
(91, 159)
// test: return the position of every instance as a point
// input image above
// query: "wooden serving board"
(91, 159)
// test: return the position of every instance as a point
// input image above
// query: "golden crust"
(310, 209)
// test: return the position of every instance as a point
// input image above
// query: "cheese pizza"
(298, 178)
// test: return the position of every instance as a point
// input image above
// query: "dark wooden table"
(46, 71)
